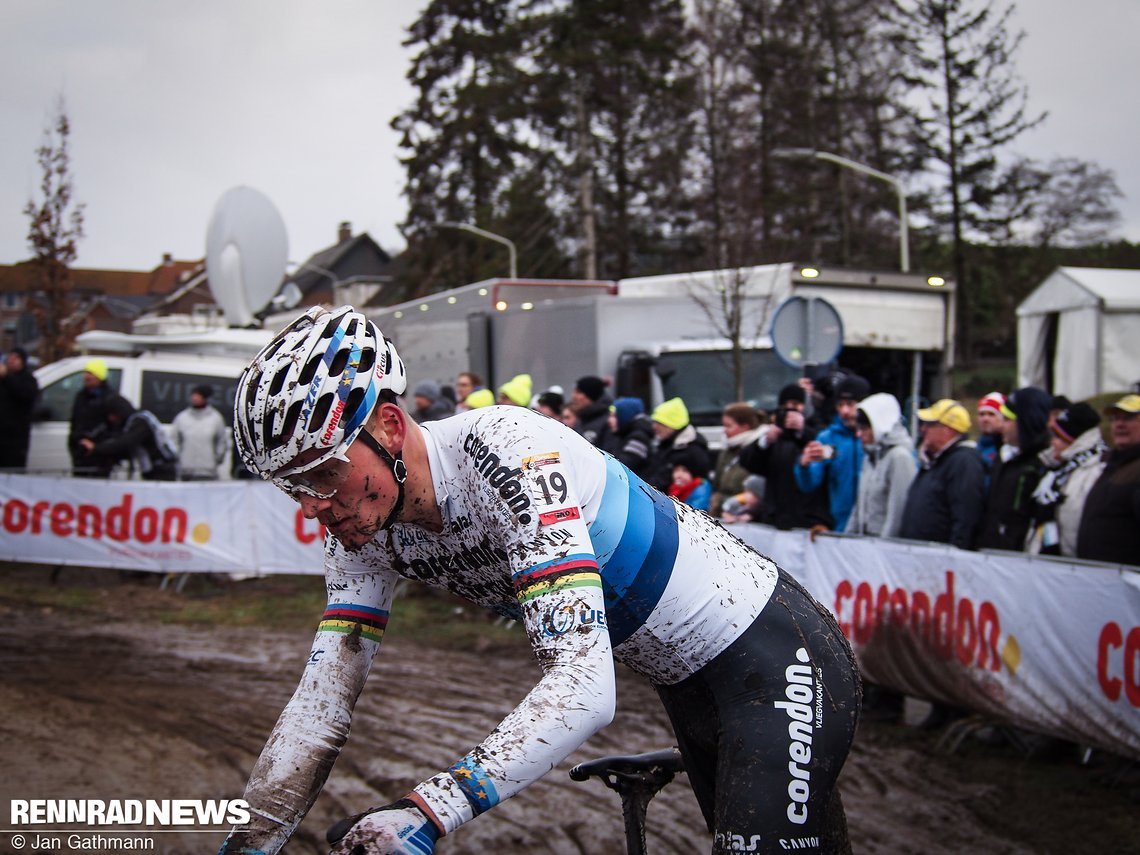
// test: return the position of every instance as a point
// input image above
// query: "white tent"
(1078, 332)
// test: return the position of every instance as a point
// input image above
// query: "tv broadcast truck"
(659, 337)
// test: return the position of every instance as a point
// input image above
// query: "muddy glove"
(396, 829)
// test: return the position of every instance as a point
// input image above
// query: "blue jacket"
(841, 471)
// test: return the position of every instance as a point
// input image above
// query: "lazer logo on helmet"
(508, 482)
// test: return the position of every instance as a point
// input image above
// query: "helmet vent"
(336, 367)
(278, 381)
(310, 370)
(320, 412)
(351, 403)
(287, 427)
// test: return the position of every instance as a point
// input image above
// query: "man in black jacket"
(1018, 468)
(1110, 521)
(945, 501)
(135, 435)
(591, 405)
(89, 422)
(18, 391)
(774, 456)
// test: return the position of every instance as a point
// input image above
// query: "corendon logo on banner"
(121, 522)
(948, 625)
(306, 530)
(1116, 675)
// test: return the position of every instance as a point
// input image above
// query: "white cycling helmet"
(313, 387)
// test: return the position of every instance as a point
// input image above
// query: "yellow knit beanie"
(673, 414)
(518, 389)
(97, 367)
(480, 398)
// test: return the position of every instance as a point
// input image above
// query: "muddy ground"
(119, 702)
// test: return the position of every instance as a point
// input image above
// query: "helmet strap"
(396, 465)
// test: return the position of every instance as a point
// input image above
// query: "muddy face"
(360, 507)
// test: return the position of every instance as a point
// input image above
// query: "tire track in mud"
(91, 709)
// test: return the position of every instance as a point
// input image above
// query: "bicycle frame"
(637, 779)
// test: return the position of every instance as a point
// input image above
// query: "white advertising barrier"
(1048, 645)
(224, 526)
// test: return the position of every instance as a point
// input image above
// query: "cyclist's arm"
(574, 699)
(314, 725)
(559, 589)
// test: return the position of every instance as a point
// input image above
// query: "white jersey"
(541, 525)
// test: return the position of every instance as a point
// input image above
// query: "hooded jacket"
(18, 391)
(1010, 505)
(889, 467)
(201, 437)
(89, 421)
(632, 442)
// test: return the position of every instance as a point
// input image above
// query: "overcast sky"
(173, 104)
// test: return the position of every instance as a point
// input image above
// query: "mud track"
(134, 708)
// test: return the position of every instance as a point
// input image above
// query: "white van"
(159, 377)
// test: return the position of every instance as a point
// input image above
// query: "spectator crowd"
(1025, 471)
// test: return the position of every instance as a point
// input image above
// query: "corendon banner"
(225, 526)
(1047, 645)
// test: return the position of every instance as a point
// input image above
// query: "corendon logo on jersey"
(508, 482)
(804, 706)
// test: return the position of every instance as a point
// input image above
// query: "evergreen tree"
(611, 102)
(463, 138)
(822, 83)
(960, 53)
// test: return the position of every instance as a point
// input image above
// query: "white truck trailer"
(663, 336)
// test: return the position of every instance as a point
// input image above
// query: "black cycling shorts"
(765, 728)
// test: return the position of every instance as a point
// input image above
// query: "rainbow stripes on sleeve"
(348, 618)
(568, 571)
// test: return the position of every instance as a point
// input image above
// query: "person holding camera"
(836, 456)
(773, 455)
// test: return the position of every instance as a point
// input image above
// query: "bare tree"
(738, 310)
(56, 225)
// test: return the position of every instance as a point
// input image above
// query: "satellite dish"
(246, 253)
(807, 331)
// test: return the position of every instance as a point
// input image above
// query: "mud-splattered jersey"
(598, 566)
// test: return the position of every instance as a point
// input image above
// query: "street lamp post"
(509, 244)
(904, 249)
(904, 253)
